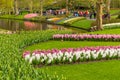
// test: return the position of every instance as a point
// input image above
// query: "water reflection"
(15, 25)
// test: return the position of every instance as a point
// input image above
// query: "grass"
(83, 24)
(15, 68)
(113, 11)
(109, 31)
(13, 16)
(107, 70)
(68, 44)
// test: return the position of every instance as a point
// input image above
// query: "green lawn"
(107, 70)
(113, 11)
(83, 24)
(68, 44)
(13, 16)
(109, 31)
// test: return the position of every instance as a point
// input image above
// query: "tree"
(108, 8)
(67, 7)
(108, 5)
(15, 6)
(31, 6)
(43, 3)
(41, 7)
(99, 4)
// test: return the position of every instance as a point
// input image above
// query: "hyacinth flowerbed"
(88, 37)
(70, 55)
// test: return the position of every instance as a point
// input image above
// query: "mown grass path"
(69, 44)
(105, 70)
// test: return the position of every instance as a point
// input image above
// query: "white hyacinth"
(74, 55)
(27, 57)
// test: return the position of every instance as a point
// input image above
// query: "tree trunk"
(67, 8)
(41, 7)
(108, 6)
(15, 7)
(31, 6)
(99, 14)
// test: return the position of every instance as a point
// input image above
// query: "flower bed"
(107, 26)
(91, 37)
(12, 65)
(72, 20)
(70, 55)
(54, 19)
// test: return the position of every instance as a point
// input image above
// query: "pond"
(18, 25)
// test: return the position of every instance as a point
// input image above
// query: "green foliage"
(115, 4)
(12, 16)
(12, 65)
(118, 16)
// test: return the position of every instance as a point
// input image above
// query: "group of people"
(89, 14)
(85, 14)
(81, 13)
(55, 12)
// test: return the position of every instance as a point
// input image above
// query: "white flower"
(49, 61)
(45, 57)
(60, 53)
(42, 60)
(64, 58)
(70, 60)
(27, 57)
(103, 55)
(31, 59)
(37, 56)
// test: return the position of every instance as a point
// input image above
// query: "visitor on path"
(94, 14)
(75, 14)
(80, 13)
(90, 15)
(86, 13)
(106, 16)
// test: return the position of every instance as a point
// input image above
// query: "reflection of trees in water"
(10, 25)
(32, 26)
(14, 25)
(41, 26)
(55, 27)
(44, 26)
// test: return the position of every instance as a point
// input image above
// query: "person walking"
(90, 15)
(94, 13)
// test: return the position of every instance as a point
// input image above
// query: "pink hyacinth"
(26, 53)
(27, 16)
(105, 37)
